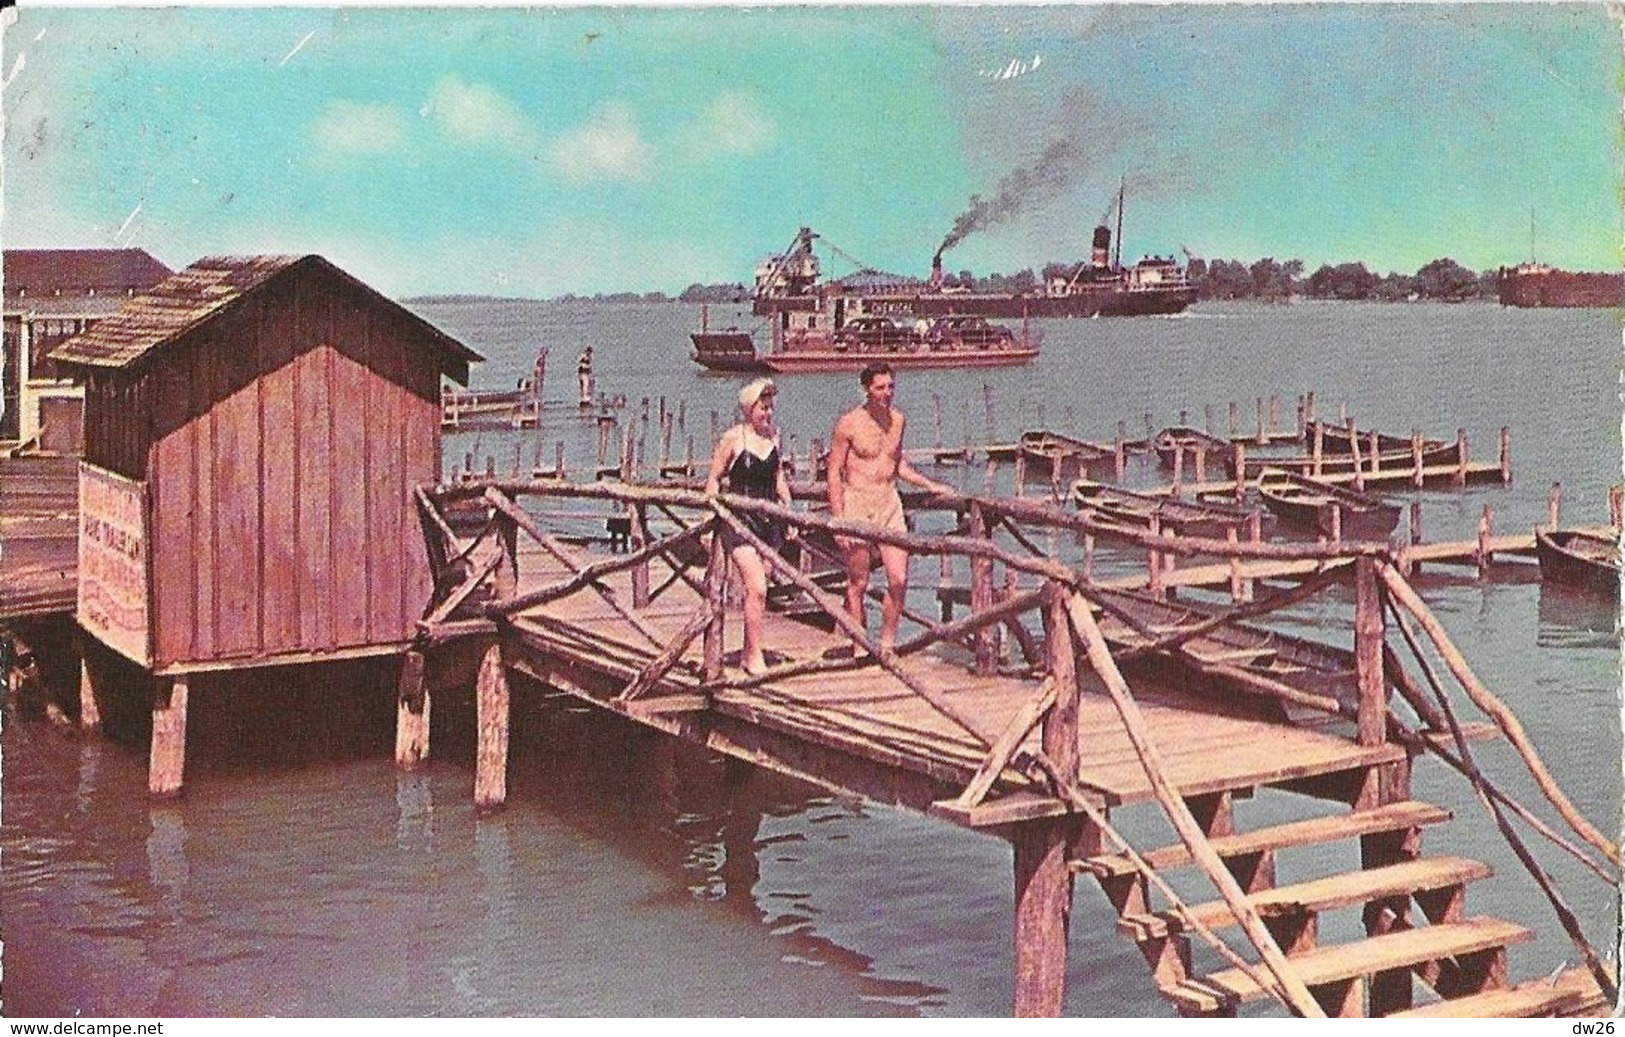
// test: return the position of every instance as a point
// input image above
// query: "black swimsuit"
(757, 478)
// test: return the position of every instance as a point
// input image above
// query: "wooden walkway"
(39, 535)
(1039, 753)
(869, 714)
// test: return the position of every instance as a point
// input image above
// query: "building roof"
(187, 300)
(77, 271)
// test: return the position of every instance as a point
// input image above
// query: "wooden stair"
(1573, 992)
(1346, 964)
(1418, 938)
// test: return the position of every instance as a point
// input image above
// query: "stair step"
(1541, 997)
(1331, 964)
(1355, 887)
(1386, 818)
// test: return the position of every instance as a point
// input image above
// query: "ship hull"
(1560, 288)
(824, 362)
(1110, 301)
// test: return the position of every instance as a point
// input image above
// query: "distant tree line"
(1266, 279)
(1270, 278)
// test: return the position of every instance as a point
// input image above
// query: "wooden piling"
(638, 514)
(1235, 566)
(1374, 451)
(1275, 411)
(1416, 458)
(1021, 474)
(1354, 454)
(1239, 456)
(1486, 528)
(1461, 457)
(1261, 435)
(1234, 411)
(1616, 506)
(1201, 463)
(90, 715)
(1042, 879)
(411, 713)
(1308, 407)
(558, 460)
(1153, 565)
(1506, 455)
(1554, 504)
(1317, 448)
(167, 764)
(981, 593)
(491, 754)
(1372, 712)
(716, 574)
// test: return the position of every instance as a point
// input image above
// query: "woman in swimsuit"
(748, 456)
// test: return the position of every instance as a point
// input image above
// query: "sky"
(533, 152)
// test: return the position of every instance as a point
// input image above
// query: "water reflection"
(1571, 618)
(166, 852)
(414, 805)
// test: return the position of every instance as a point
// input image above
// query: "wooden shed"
(254, 429)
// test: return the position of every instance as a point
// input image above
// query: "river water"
(630, 875)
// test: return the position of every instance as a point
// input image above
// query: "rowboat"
(1435, 454)
(1334, 511)
(1334, 439)
(1171, 442)
(1046, 453)
(1579, 559)
(1135, 510)
(1223, 658)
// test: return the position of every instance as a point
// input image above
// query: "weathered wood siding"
(285, 440)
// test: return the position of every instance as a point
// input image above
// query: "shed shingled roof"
(188, 299)
(41, 271)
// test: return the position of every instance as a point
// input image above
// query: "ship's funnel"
(1100, 257)
(936, 272)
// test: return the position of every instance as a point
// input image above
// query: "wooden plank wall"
(287, 440)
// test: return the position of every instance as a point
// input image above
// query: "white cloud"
(475, 113)
(608, 147)
(735, 123)
(348, 127)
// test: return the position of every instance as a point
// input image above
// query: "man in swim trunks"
(865, 461)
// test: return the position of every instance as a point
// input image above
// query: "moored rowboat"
(1324, 508)
(1580, 559)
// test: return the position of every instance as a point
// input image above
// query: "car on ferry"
(968, 332)
(875, 334)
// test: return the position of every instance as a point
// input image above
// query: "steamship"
(791, 283)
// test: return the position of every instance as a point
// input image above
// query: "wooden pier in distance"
(1040, 752)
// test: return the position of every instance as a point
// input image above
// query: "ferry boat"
(814, 342)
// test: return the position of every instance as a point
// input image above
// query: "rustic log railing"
(1065, 602)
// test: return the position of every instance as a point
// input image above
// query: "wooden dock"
(1040, 754)
(39, 535)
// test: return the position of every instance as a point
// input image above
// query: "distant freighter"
(790, 283)
(1536, 284)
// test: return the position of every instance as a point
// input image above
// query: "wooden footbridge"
(1050, 707)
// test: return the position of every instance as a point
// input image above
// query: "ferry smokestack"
(936, 272)
(1102, 251)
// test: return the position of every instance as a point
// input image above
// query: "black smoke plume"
(1055, 170)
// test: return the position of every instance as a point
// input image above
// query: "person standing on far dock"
(865, 461)
(584, 375)
(748, 455)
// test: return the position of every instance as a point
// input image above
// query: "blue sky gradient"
(535, 152)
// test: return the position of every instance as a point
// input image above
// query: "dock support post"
(1616, 506)
(1374, 448)
(167, 764)
(716, 575)
(1262, 437)
(1119, 455)
(1153, 568)
(1486, 527)
(1179, 468)
(1207, 415)
(90, 714)
(1354, 454)
(1235, 566)
(1043, 880)
(411, 713)
(1416, 459)
(639, 516)
(1201, 463)
(1021, 472)
(1554, 504)
(1368, 640)
(1461, 457)
(491, 756)
(1506, 456)
(1240, 461)
(1308, 408)
(981, 592)
(1317, 448)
